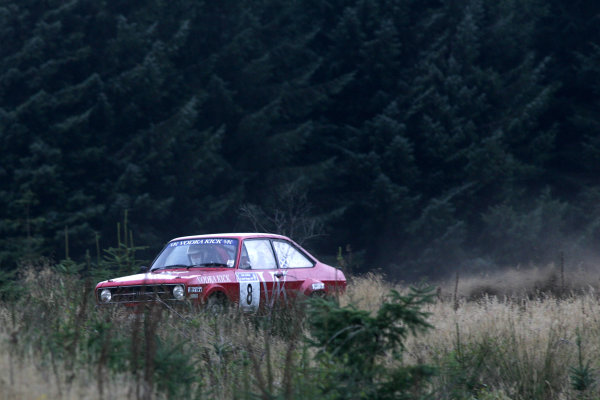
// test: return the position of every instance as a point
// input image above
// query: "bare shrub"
(290, 215)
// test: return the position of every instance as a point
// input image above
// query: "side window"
(260, 255)
(289, 257)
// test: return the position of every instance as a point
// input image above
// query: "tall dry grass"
(32, 381)
(226, 354)
(511, 335)
(517, 342)
(59, 345)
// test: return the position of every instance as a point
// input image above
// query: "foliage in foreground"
(539, 346)
(184, 353)
(353, 346)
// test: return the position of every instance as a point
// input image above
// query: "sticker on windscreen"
(249, 290)
(195, 242)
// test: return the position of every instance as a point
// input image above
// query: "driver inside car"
(207, 254)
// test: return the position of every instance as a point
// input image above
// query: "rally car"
(250, 270)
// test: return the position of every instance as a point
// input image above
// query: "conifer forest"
(418, 138)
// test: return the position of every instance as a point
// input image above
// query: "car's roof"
(231, 235)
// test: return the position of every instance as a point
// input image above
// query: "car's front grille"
(141, 293)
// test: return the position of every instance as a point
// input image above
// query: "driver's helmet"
(207, 254)
(195, 254)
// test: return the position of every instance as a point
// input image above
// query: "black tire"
(217, 303)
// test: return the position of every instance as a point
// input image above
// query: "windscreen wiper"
(209, 264)
(171, 266)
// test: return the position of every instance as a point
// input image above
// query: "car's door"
(294, 265)
(256, 274)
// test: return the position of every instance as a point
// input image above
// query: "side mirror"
(143, 269)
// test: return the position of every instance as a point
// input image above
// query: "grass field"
(528, 334)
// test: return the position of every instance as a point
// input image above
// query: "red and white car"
(251, 270)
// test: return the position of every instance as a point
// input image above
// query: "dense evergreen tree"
(428, 135)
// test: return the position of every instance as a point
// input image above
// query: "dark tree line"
(429, 136)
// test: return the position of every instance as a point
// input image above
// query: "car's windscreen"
(198, 253)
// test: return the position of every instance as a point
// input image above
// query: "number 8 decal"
(249, 290)
(249, 294)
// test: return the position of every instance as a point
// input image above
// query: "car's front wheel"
(217, 303)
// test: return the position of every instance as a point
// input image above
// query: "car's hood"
(173, 276)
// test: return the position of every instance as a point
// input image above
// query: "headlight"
(105, 295)
(178, 292)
